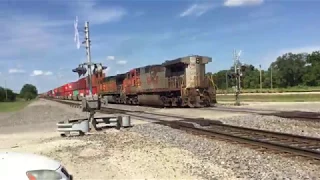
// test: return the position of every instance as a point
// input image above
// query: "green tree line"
(289, 70)
(27, 92)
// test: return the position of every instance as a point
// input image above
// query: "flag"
(76, 33)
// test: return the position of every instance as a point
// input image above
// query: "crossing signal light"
(233, 75)
(243, 68)
(98, 69)
(80, 70)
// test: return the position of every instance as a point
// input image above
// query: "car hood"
(19, 163)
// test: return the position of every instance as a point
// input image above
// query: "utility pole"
(87, 40)
(260, 79)
(5, 89)
(237, 73)
(271, 78)
(227, 82)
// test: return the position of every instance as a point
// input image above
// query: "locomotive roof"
(149, 66)
(186, 60)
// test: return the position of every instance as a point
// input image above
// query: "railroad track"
(308, 147)
(298, 115)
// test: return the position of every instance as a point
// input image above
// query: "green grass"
(272, 98)
(13, 106)
(274, 90)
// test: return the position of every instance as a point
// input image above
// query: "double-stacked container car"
(75, 90)
(180, 82)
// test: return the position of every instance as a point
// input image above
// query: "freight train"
(177, 83)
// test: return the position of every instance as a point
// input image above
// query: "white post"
(87, 39)
(5, 89)
(260, 79)
(271, 78)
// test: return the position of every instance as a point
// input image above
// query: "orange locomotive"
(180, 82)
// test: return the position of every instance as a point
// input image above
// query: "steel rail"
(267, 139)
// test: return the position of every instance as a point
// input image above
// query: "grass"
(274, 90)
(13, 106)
(272, 98)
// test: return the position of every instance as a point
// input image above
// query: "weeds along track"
(308, 147)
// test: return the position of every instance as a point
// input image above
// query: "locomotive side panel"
(152, 79)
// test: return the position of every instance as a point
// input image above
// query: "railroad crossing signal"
(81, 70)
(243, 68)
(98, 69)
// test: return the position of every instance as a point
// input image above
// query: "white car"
(25, 166)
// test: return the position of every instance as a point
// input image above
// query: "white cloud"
(122, 62)
(14, 71)
(235, 3)
(41, 73)
(110, 57)
(197, 9)
(95, 14)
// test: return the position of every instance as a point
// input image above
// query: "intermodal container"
(82, 92)
(73, 86)
(82, 83)
(61, 89)
(94, 90)
(75, 92)
(65, 88)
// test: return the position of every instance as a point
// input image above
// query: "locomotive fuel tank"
(110, 98)
(150, 99)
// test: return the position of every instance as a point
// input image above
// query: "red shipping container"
(82, 83)
(73, 86)
(61, 89)
(65, 88)
(82, 92)
(94, 90)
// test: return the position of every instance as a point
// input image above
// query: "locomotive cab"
(195, 90)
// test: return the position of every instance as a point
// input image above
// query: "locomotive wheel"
(191, 102)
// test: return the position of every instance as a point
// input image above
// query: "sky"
(38, 47)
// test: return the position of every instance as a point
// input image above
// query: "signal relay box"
(91, 103)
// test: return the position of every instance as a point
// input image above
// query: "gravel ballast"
(242, 161)
(152, 151)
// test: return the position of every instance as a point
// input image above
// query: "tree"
(7, 95)
(28, 92)
(312, 77)
(288, 70)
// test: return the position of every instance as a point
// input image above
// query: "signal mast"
(237, 74)
(92, 102)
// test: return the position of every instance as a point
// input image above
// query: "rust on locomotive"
(180, 82)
